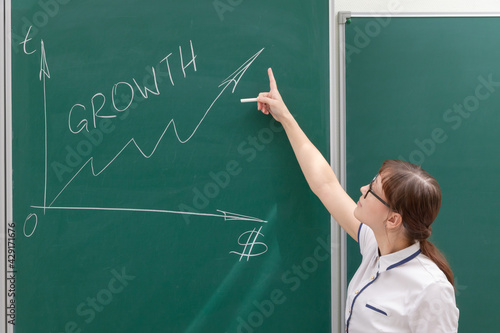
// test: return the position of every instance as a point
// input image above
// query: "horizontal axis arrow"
(228, 216)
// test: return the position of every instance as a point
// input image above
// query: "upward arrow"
(238, 74)
(44, 68)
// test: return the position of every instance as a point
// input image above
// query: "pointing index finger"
(272, 81)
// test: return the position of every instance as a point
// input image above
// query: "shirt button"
(356, 292)
(372, 278)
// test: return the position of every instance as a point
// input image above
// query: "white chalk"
(248, 100)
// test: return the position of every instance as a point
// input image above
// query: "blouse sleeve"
(435, 310)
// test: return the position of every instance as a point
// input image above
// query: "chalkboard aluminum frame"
(342, 18)
(338, 243)
(3, 157)
(6, 154)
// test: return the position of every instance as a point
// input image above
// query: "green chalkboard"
(145, 196)
(427, 90)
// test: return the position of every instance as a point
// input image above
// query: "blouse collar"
(393, 260)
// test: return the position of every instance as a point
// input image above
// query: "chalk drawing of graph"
(44, 75)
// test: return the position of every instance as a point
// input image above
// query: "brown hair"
(416, 196)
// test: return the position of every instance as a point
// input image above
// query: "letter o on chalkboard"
(34, 226)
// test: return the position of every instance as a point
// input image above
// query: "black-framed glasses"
(376, 196)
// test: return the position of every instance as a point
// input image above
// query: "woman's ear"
(394, 222)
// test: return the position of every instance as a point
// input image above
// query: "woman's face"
(372, 208)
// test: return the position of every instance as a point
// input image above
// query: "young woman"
(404, 283)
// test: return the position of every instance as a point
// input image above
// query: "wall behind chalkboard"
(146, 197)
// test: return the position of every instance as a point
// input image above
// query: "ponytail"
(432, 252)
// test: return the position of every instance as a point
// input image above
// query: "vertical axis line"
(43, 73)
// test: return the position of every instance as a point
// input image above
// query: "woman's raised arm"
(319, 175)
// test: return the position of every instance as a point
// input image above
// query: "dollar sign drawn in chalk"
(251, 244)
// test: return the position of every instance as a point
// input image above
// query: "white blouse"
(400, 292)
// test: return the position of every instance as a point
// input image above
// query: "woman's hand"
(271, 102)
